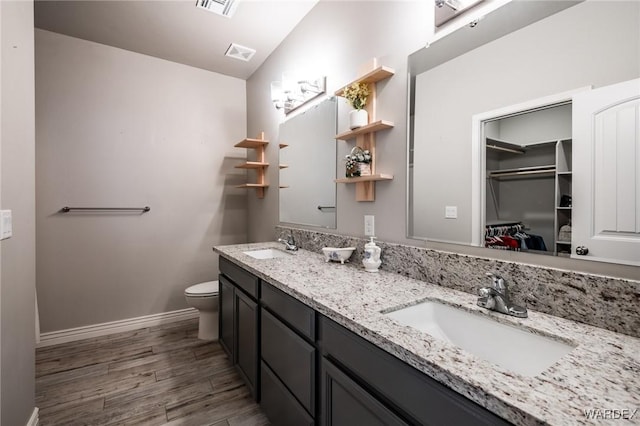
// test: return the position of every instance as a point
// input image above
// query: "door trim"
(478, 154)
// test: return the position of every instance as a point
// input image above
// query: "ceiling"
(176, 30)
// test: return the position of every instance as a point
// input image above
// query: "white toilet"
(204, 297)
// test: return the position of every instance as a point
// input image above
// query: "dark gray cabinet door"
(417, 396)
(279, 405)
(227, 317)
(247, 340)
(345, 403)
(291, 358)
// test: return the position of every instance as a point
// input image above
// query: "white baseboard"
(104, 329)
(33, 420)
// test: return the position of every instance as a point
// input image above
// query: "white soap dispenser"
(371, 259)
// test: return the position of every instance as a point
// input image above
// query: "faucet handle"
(497, 282)
(290, 239)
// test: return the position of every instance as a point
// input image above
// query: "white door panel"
(606, 173)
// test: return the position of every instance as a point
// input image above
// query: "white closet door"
(606, 173)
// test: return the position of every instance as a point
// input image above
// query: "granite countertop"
(601, 373)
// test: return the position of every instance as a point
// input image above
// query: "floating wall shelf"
(374, 76)
(259, 165)
(369, 128)
(365, 136)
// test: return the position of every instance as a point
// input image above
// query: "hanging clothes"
(512, 237)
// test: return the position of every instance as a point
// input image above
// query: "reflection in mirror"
(308, 166)
(523, 152)
(520, 52)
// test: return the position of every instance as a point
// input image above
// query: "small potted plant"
(358, 163)
(356, 95)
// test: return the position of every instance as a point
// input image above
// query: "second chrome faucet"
(496, 298)
(289, 243)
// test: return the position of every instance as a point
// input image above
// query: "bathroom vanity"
(323, 351)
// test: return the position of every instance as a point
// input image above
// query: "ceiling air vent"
(221, 7)
(240, 52)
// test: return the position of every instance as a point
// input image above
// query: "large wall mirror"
(521, 52)
(308, 166)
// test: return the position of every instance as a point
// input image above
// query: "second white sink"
(269, 253)
(507, 346)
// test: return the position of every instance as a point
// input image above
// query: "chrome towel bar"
(106, 209)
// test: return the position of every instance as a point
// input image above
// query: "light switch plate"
(6, 229)
(369, 225)
(451, 212)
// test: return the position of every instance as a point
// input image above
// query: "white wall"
(334, 39)
(117, 128)
(17, 375)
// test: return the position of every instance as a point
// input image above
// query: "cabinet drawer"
(295, 313)
(402, 386)
(240, 277)
(346, 403)
(290, 358)
(280, 407)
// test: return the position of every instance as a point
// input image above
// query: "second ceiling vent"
(221, 7)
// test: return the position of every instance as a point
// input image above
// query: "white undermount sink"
(507, 346)
(269, 253)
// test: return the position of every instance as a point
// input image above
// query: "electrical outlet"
(451, 212)
(6, 230)
(369, 225)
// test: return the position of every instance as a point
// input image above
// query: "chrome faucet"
(496, 298)
(289, 243)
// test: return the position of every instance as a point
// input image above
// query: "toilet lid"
(203, 289)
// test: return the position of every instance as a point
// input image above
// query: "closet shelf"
(504, 146)
(520, 148)
(522, 171)
(369, 128)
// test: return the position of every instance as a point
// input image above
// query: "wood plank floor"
(159, 375)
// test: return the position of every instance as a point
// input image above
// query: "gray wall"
(17, 191)
(117, 128)
(390, 31)
(334, 39)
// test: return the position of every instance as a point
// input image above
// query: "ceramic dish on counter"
(337, 254)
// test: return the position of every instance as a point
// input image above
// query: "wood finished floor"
(159, 375)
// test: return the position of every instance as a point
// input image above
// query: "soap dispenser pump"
(371, 259)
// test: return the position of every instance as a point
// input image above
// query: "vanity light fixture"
(446, 10)
(291, 93)
(222, 7)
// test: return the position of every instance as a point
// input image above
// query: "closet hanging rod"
(106, 209)
(523, 171)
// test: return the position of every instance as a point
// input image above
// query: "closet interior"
(528, 188)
